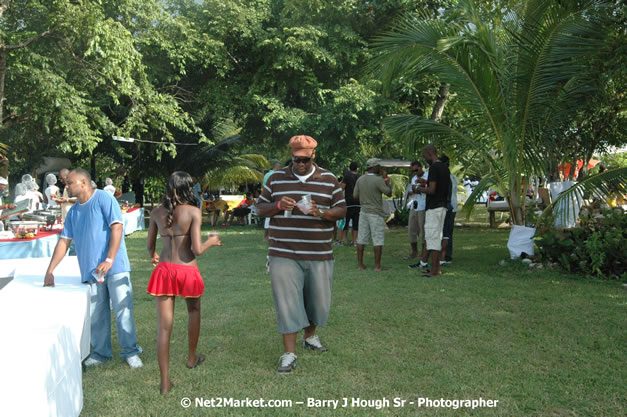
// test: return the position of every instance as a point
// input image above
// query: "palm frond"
(231, 176)
(257, 160)
(398, 183)
(224, 129)
(432, 46)
(235, 170)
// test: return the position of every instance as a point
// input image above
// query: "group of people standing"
(431, 197)
(302, 202)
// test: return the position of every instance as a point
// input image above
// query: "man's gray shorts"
(371, 226)
(301, 292)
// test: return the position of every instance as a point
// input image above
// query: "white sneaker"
(313, 343)
(418, 265)
(287, 362)
(134, 361)
(91, 362)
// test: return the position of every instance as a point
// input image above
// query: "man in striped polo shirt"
(300, 252)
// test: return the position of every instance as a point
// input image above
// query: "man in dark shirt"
(352, 204)
(438, 191)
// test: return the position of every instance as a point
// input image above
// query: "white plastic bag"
(520, 240)
(305, 204)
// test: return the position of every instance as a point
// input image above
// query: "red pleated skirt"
(174, 279)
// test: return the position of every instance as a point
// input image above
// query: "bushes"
(597, 247)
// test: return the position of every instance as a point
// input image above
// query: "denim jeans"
(118, 290)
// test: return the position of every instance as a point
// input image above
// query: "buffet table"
(45, 337)
(133, 220)
(40, 246)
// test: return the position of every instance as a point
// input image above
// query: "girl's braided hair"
(178, 191)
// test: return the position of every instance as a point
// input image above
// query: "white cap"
(32, 186)
(51, 179)
(26, 178)
(109, 181)
(20, 189)
(4, 181)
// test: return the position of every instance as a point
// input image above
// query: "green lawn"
(541, 343)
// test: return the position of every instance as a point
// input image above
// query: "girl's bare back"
(177, 239)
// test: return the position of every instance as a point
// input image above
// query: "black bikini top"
(184, 234)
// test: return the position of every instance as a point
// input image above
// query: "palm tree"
(518, 83)
(235, 170)
(223, 167)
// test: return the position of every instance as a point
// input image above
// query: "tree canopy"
(200, 83)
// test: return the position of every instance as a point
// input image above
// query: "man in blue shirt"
(95, 225)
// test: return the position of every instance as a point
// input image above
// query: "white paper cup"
(100, 278)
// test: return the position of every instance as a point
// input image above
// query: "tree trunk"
(3, 71)
(93, 167)
(438, 109)
(583, 172)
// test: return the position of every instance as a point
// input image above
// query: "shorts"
(301, 291)
(173, 279)
(434, 223)
(416, 226)
(352, 213)
(371, 225)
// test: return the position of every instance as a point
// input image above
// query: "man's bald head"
(430, 153)
(63, 174)
(79, 184)
(82, 174)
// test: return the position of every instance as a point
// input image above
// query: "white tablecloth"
(33, 248)
(133, 221)
(45, 337)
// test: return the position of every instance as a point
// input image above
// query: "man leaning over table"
(95, 224)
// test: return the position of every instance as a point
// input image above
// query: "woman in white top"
(36, 198)
(20, 195)
(109, 186)
(52, 191)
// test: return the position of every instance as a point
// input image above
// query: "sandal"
(201, 358)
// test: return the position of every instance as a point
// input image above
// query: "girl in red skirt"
(177, 220)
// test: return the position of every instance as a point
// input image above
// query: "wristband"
(109, 260)
(278, 205)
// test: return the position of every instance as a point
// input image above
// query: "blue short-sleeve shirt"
(89, 226)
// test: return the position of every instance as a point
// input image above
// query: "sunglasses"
(300, 160)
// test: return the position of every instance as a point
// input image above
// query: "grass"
(541, 343)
